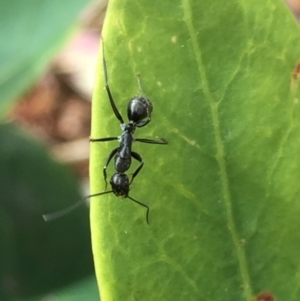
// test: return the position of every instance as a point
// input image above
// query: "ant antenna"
(139, 84)
(52, 216)
(104, 64)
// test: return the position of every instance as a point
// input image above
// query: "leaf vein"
(220, 154)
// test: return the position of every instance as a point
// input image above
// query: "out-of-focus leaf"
(83, 290)
(31, 32)
(37, 257)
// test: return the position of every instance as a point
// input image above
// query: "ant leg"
(144, 205)
(137, 157)
(111, 155)
(112, 103)
(55, 215)
(152, 141)
(103, 139)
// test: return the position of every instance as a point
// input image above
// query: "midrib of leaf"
(219, 155)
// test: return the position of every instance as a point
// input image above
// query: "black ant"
(139, 111)
(139, 108)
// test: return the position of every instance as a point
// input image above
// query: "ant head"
(138, 109)
(120, 184)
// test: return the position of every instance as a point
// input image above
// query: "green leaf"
(38, 257)
(82, 290)
(224, 194)
(31, 32)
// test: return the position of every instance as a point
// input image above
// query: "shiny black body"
(139, 110)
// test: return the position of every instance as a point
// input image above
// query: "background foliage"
(31, 33)
(37, 258)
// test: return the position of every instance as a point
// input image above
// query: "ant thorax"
(126, 137)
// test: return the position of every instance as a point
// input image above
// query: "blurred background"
(48, 57)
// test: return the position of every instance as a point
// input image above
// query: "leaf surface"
(224, 194)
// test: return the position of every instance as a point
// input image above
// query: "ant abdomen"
(138, 109)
